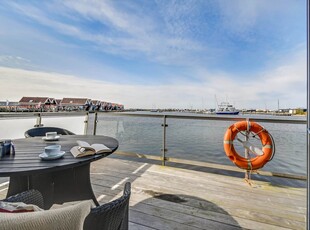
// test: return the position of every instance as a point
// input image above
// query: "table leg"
(57, 187)
(40, 182)
(18, 184)
(73, 184)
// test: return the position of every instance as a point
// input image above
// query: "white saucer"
(44, 156)
(51, 139)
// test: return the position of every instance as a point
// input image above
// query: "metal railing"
(166, 117)
(91, 124)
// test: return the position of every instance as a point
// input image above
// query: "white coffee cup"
(51, 135)
(52, 150)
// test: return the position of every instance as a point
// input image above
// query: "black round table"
(61, 180)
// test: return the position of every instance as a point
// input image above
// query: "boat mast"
(217, 104)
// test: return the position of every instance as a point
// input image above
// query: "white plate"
(51, 139)
(44, 156)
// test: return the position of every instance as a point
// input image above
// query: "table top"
(26, 160)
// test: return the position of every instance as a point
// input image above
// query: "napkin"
(13, 207)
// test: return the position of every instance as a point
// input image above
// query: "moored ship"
(226, 109)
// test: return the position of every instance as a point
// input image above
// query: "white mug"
(52, 150)
(51, 135)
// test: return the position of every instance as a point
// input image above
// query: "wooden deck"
(174, 198)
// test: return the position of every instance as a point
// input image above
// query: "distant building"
(75, 104)
(36, 103)
(104, 106)
(117, 107)
(95, 105)
(298, 111)
(120, 107)
(58, 101)
(8, 106)
(48, 104)
(54, 107)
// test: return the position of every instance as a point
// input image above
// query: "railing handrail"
(43, 114)
(210, 117)
(191, 117)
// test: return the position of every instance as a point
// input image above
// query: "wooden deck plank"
(226, 195)
(288, 213)
(260, 192)
(198, 200)
(245, 218)
(189, 174)
(213, 212)
(279, 200)
(218, 217)
(139, 227)
(295, 220)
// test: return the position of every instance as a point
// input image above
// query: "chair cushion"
(65, 218)
(69, 203)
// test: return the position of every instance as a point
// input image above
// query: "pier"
(166, 197)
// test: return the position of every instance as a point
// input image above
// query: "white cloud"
(171, 33)
(13, 61)
(129, 32)
(242, 16)
(286, 82)
(106, 13)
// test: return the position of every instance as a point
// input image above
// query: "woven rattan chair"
(41, 131)
(28, 197)
(112, 215)
(109, 216)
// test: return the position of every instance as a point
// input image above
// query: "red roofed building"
(75, 103)
(36, 103)
(44, 104)
(95, 105)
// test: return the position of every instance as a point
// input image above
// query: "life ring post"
(247, 173)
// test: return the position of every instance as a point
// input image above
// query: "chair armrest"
(112, 215)
(28, 197)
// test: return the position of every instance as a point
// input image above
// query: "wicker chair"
(28, 197)
(112, 215)
(41, 131)
(109, 216)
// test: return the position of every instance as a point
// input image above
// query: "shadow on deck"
(174, 198)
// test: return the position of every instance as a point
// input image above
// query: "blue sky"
(168, 54)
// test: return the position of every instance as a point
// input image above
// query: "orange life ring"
(242, 162)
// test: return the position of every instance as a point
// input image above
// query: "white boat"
(226, 109)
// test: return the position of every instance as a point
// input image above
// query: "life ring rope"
(273, 147)
(256, 131)
(255, 135)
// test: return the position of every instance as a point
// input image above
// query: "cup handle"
(12, 148)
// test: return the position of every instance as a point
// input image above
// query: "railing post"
(38, 121)
(86, 123)
(164, 149)
(246, 151)
(95, 123)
